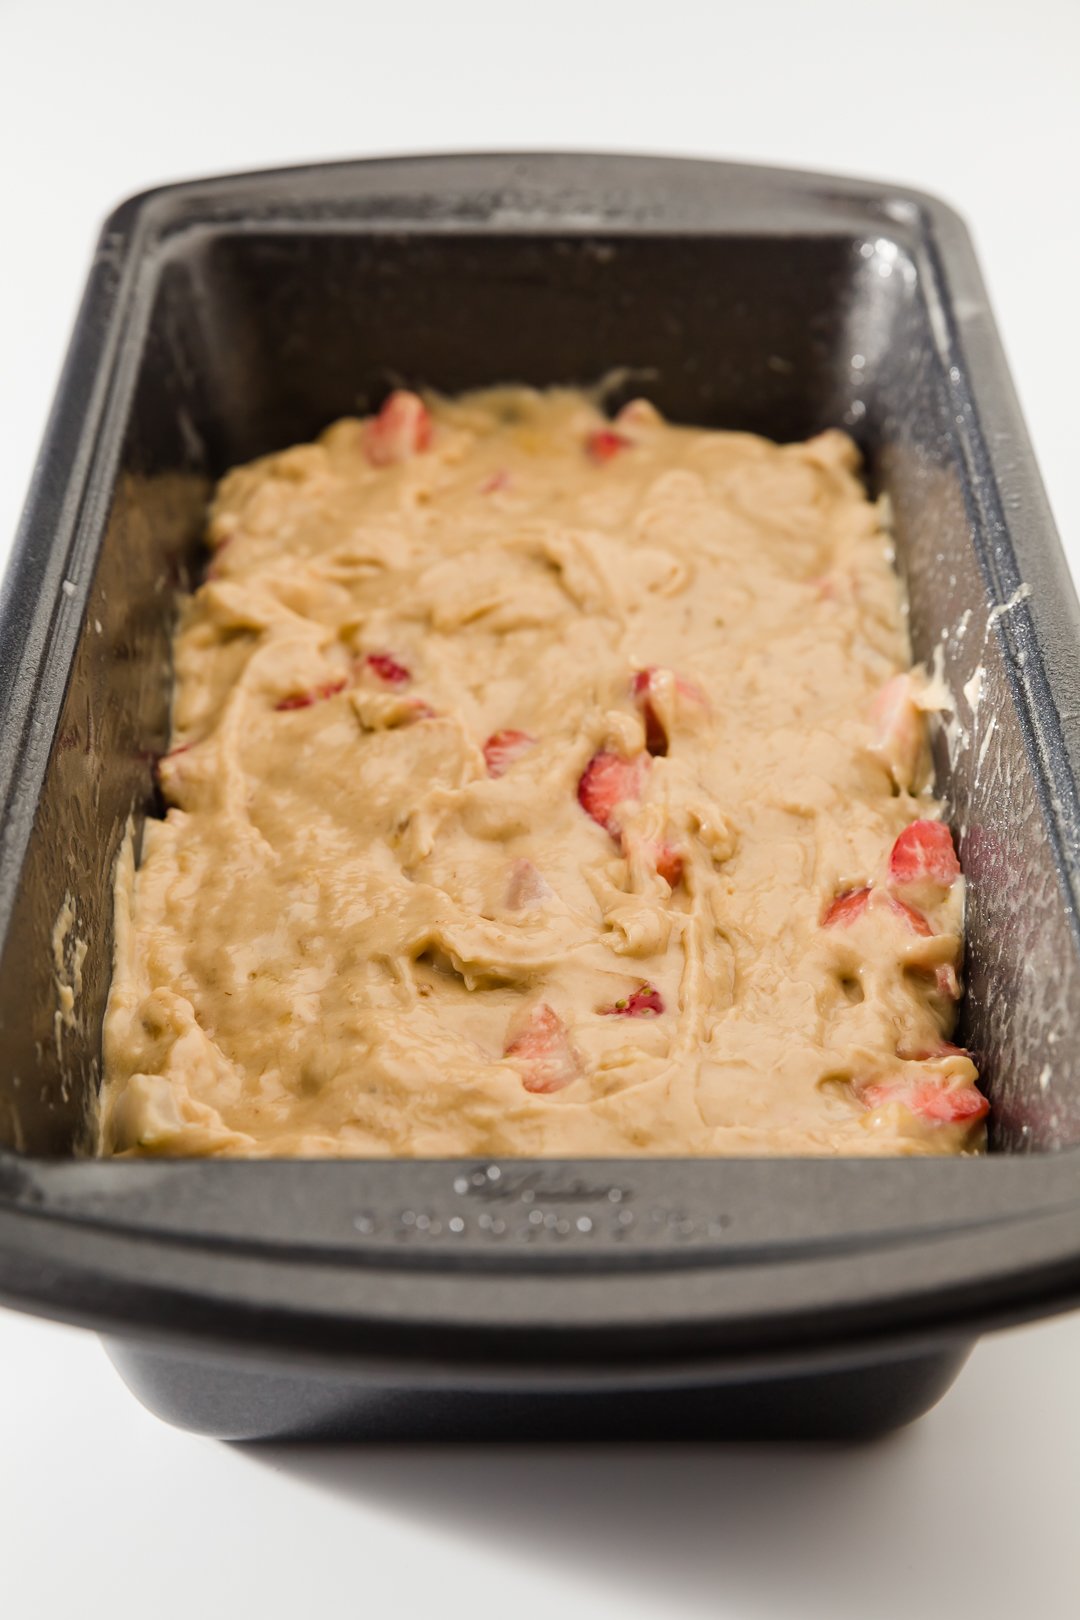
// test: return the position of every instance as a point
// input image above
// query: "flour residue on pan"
(1021, 594)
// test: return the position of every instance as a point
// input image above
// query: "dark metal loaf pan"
(225, 318)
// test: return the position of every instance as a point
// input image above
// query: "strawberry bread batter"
(547, 785)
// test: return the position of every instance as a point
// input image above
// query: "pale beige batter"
(534, 788)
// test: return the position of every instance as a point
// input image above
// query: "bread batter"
(542, 785)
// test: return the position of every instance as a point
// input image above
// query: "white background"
(103, 1510)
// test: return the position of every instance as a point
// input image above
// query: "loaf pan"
(229, 317)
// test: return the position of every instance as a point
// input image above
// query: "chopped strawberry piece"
(639, 413)
(824, 587)
(527, 887)
(656, 737)
(646, 1002)
(846, 908)
(402, 428)
(504, 747)
(932, 1098)
(951, 1105)
(849, 907)
(388, 669)
(945, 978)
(218, 546)
(645, 687)
(645, 679)
(314, 694)
(899, 733)
(923, 856)
(909, 916)
(539, 1044)
(947, 982)
(608, 781)
(669, 864)
(651, 852)
(163, 764)
(498, 480)
(605, 443)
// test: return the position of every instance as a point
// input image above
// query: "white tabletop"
(103, 1510)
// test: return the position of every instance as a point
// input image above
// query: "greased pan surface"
(228, 317)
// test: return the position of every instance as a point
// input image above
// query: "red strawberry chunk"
(951, 1105)
(164, 769)
(662, 857)
(214, 571)
(947, 982)
(388, 669)
(646, 1002)
(824, 588)
(669, 864)
(846, 908)
(909, 916)
(656, 737)
(924, 854)
(645, 679)
(608, 781)
(638, 413)
(402, 428)
(644, 687)
(504, 747)
(899, 729)
(849, 907)
(931, 1098)
(314, 694)
(539, 1045)
(527, 887)
(605, 443)
(945, 977)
